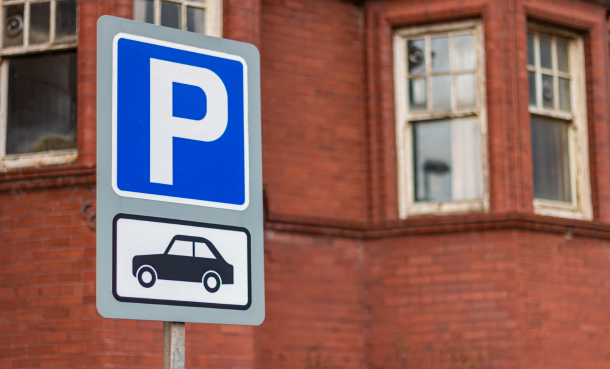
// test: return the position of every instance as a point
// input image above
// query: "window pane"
(432, 160)
(416, 56)
(195, 20)
(465, 90)
(65, 20)
(441, 92)
(548, 91)
(144, 11)
(40, 21)
(13, 25)
(531, 60)
(41, 103)
(562, 56)
(440, 54)
(564, 94)
(550, 159)
(465, 57)
(170, 15)
(447, 160)
(182, 248)
(545, 53)
(417, 94)
(203, 251)
(533, 97)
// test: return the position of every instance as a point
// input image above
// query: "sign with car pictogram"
(179, 184)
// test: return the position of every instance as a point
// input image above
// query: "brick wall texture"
(348, 284)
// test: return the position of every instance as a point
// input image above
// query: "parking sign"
(179, 185)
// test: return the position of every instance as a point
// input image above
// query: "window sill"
(443, 208)
(37, 160)
(559, 209)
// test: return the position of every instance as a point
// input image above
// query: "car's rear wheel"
(147, 276)
(211, 282)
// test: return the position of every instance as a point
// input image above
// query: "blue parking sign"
(180, 124)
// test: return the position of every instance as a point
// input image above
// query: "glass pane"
(144, 11)
(465, 56)
(195, 20)
(432, 160)
(531, 60)
(170, 15)
(546, 60)
(441, 93)
(65, 20)
(41, 103)
(548, 91)
(466, 92)
(40, 21)
(447, 160)
(563, 63)
(417, 94)
(466, 164)
(564, 94)
(181, 248)
(551, 159)
(533, 97)
(416, 56)
(13, 25)
(203, 251)
(440, 54)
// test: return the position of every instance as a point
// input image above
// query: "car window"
(182, 248)
(203, 251)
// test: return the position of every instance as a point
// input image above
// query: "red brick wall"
(439, 291)
(527, 299)
(314, 294)
(313, 108)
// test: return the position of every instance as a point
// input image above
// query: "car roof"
(180, 237)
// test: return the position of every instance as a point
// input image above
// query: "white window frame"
(213, 14)
(39, 158)
(404, 119)
(580, 207)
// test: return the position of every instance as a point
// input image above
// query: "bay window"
(440, 118)
(557, 108)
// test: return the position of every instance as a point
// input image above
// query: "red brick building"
(437, 176)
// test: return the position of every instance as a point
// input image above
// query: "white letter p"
(164, 126)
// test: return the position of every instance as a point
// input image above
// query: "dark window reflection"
(13, 25)
(170, 15)
(65, 20)
(41, 103)
(551, 159)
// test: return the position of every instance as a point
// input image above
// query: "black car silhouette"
(188, 259)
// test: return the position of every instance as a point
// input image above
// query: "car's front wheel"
(211, 282)
(147, 276)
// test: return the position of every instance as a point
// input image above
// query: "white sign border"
(178, 200)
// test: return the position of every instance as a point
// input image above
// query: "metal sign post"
(173, 345)
(179, 179)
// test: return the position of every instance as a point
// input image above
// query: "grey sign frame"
(110, 204)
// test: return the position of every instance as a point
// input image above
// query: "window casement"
(441, 122)
(557, 106)
(201, 16)
(37, 82)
